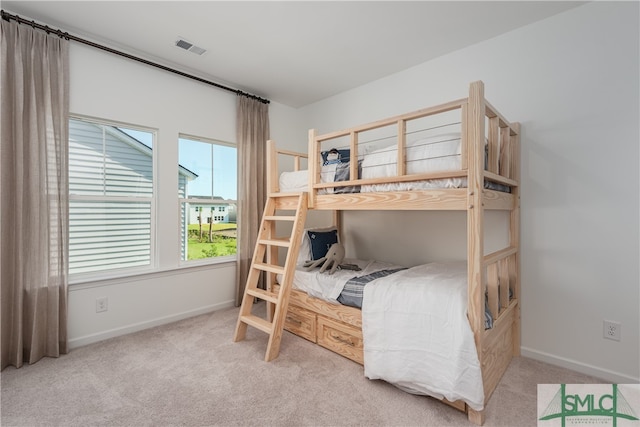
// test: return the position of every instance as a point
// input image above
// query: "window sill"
(106, 280)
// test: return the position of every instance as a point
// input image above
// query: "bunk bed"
(462, 155)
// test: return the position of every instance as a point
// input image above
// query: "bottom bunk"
(315, 314)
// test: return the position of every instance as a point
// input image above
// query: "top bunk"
(445, 157)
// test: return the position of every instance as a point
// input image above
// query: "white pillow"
(436, 153)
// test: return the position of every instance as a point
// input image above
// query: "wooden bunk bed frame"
(339, 328)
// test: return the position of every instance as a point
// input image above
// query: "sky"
(215, 165)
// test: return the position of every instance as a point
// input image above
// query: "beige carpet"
(190, 373)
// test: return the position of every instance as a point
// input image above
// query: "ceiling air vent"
(183, 44)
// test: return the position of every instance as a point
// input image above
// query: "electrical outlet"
(102, 304)
(612, 330)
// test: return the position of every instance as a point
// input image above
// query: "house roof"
(144, 148)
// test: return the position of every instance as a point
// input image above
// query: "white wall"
(572, 81)
(109, 87)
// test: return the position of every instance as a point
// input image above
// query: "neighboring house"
(221, 212)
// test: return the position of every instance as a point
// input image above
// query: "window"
(207, 177)
(111, 197)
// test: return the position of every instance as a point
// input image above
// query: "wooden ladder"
(267, 246)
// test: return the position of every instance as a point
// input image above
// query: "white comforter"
(417, 336)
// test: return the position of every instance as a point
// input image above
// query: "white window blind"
(111, 197)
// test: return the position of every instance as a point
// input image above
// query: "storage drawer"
(341, 338)
(301, 322)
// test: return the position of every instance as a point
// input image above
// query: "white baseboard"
(124, 330)
(583, 368)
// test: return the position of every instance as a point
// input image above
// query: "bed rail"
(502, 160)
(393, 132)
(403, 134)
(292, 159)
(501, 279)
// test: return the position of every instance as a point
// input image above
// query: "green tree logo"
(589, 406)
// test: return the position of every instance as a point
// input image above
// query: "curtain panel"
(252, 135)
(34, 110)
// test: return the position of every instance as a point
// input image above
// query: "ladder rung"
(262, 294)
(257, 322)
(280, 217)
(291, 195)
(268, 267)
(277, 208)
(283, 242)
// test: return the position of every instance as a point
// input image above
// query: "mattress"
(298, 181)
(328, 287)
(340, 287)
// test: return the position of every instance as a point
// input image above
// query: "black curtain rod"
(62, 34)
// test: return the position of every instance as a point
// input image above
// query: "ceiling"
(292, 52)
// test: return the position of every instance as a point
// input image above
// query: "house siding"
(111, 199)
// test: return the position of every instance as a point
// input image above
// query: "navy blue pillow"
(320, 242)
(343, 156)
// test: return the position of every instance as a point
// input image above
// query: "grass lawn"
(224, 241)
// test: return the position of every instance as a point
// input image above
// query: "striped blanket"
(354, 288)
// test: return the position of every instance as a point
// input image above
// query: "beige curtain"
(252, 134)
(34, 89)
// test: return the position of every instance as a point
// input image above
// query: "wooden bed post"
(312, 165)
(475, 212)
(475, 235)
(272, 187)
(514, 232)
(272, 169)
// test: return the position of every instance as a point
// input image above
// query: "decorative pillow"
(320, 242)
(335, 156)
(304, 253)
